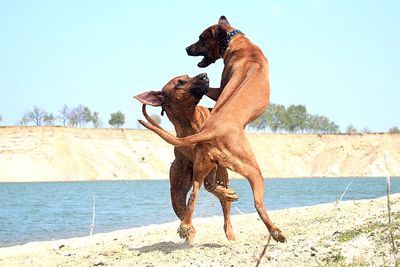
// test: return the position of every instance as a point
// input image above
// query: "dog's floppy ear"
(223, 20)
(152, 98)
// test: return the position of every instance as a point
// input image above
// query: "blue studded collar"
(225, 42)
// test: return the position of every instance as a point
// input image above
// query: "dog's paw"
(278, 236)
(186, 232)
(227, 193)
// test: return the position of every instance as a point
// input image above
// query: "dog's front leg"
(180, 175)
(214, 93)
(201, 167)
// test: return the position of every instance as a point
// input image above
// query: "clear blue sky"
(339, 58)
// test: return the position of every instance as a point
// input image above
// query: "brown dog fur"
(179, 101)
(243, 96)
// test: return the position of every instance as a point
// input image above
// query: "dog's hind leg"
(181, 179)
(223, 181)
(226, 208)
(219, 179)
(242, 160)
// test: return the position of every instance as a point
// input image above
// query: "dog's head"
(209, 43)
(182, 90)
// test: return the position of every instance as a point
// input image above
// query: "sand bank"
(70, 154)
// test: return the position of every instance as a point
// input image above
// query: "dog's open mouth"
(192, 51)
(205, 61)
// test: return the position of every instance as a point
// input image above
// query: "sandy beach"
(354, 232)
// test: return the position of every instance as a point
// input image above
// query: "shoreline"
(166, 179)
(312, 232)
(153, 226)
(234, 212)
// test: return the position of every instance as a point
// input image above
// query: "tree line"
(80, 116)
(277, 118)
(293, 119)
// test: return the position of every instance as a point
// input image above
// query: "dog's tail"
(171, 139)
(148, 118)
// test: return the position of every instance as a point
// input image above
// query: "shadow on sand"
(168, 247)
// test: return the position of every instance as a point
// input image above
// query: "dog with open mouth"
(179, 99)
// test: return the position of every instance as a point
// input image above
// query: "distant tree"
(96, 120)
(1, 118)
(272, 118)
(394, 130)
(36, 115)
(332, 127)
(321, 124)
(117, 119)
(314, 123)
(276, 117)
(295, 119)
(156, 118)
(351, 129)
(259, 123)
(64, 114)
(49, 119)
(264, 121)
(24, 120)
(79, 116)
(87, 115)
(72, 119)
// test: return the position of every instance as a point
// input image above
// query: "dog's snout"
(189, 50)
(203, 76)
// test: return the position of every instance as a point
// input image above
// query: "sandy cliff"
(65, 154)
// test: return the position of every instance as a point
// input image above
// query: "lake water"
(47, 211)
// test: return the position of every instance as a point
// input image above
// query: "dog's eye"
(201, 39)
(181, 83)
